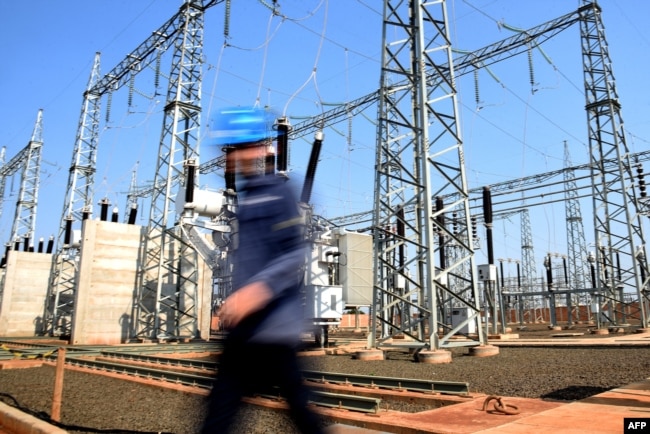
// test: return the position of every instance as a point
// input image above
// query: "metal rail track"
(161, 360)
(325, 399)
(424, 386)
(23, 348)
(165, 375)
(84, 356)
(415, 385)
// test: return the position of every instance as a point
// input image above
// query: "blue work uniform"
(271, 249)
(260, 351)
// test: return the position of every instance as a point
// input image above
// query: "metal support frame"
(576, 243)
(419, 147)
(80, 190)
(59, 303)
(29, 160)
(529, 268)
(25, 218)
(617, 224)
(166, 302)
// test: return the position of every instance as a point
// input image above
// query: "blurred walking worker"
(264, 313)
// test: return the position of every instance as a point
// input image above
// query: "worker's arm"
(243, 302)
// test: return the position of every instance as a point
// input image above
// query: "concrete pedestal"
(372, 354)
(22, 297)
(484, 351)
(434, 356)
(106, 283)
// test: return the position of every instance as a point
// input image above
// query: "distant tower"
(417, 131)
(29, 160)
(529, 268)
(576, 244)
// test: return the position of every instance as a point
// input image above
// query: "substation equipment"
(424, 271)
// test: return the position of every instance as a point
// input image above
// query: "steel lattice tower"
(25, 218)
(576, 244)
(80, 190)
(167, 305)
(77, 206)
(29, 160)
(529, 269)
(419, 157)
(617, 224)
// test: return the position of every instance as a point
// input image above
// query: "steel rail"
(415, 385)
(186, 379)
(345, 402)
(326, 399)
(424, 386)
(23, 348)
(78, 356)
(194, 347)
(181, 363)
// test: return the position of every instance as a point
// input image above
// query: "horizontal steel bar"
(426, 386)
(326, 399)
(341, 401)
(184, 363)
(345, 402)
(143, 372)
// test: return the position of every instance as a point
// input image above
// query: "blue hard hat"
(241, 125)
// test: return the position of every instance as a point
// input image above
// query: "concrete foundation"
(107, 281)
(22, 296)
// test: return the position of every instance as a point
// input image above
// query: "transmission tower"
(25, 218)
(29, 161)
(167, 302)
(529, 269)
(417, 132)
(576, 244)
(77, 207)
(80, 190)
(618, 231)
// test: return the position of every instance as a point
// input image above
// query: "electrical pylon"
(77, 207)
(25, 218)
(620, 246)
(29, 161)
(529, 269)
(79, 197)
(576, 243)
(419, 147)
(166, 303)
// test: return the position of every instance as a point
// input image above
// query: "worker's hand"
(244, 302)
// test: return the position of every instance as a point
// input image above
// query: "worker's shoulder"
(279, 186)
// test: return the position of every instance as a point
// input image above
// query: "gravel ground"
(92, 403)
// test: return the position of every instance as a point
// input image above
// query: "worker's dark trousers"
(246, 368)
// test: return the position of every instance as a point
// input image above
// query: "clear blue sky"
(318, 53)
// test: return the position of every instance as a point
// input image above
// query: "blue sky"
(312, 56)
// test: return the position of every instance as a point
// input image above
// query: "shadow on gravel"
(574, 393)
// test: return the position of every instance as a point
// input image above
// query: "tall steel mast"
(29, 160)
(620, 245)
(576, 243)
(419, 157)
(80, 190)
(77, 207)
(166, 303)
